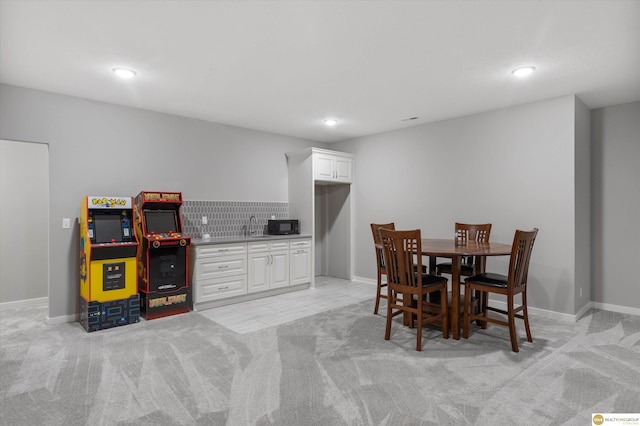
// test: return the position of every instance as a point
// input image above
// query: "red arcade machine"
(163, 282)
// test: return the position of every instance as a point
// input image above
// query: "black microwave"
(283, 227)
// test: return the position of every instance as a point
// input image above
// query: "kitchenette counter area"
(244, 239)
(232, 269)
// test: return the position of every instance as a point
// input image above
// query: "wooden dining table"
(454, 250)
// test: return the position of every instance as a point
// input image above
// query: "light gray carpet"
(332, 368)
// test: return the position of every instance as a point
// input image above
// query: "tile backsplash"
(228, 218)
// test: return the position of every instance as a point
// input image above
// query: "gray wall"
(512, 167)
(582, 161)
(615, 132)
(24, 224)
(441, 172)
(103, 149)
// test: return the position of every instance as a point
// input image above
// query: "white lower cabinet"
(268, 265)
(218, 271)
(300, 261)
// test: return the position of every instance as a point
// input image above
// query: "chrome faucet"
(250, 231)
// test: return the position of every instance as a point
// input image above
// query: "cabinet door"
(343, 169)
(258, 278)
(279, 269)
(323, 167)
(300, 266)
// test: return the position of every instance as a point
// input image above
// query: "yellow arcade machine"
(108, 246)
(163, 282)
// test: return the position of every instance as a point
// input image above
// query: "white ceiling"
(284, 66)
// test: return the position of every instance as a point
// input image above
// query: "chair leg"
(387, 331)
(375, 310)
(525, 314)
(444, 311)
(478, 295)
(412, 316)
(466, 308)
(512, 325)
(419, 333)
(484, 302)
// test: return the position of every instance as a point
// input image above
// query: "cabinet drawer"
(221, 250)
(258, 247)
(261, 246)
(220, 288)
(279, 245)
(220, 266)
(299, 244)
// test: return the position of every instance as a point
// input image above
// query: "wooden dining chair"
(377, 245)
(470, 265)
(510, 285)
(408, 286)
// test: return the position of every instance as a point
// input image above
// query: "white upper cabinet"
(321, 192)
(332, 167)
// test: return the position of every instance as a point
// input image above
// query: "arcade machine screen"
(108, 228)
(161, 221)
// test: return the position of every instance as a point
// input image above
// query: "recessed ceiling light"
(523, 71)
(330, 122)
(124, 72)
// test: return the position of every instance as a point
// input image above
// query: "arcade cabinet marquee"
(162, 255)
(108, 246)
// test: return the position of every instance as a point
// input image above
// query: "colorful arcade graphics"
(108, 246)
(163, 282)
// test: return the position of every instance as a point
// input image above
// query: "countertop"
(244, 239)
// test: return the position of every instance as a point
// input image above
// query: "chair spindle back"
(520, 256)
(403, 254)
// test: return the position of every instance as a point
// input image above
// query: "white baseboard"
(582, 311)
(615, 308)
(24, 303)
(573, 318)
(543, 313)
(559, 316)
(63, 319)
(39, 302)
(365, 280)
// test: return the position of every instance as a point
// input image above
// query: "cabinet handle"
(222, 250)
(300, 251)
(223, 288)
(223, 266)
